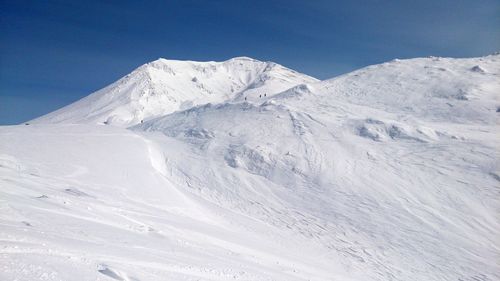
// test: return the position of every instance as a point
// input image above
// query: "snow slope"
(390, 172)
(91, 203)
(439, 89)
(164, 86)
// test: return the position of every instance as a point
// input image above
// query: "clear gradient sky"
(55, 52)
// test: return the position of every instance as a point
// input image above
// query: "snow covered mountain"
(391, 168)
(164, 86)
(439, 89)
(390, 172)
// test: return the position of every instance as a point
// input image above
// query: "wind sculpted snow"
(387, 173)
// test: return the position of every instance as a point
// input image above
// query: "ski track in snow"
(386, 173)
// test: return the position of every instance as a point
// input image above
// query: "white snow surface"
(164, 86)
(390, 172)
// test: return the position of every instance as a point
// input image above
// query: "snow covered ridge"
(164, 86)
(461, 89)
(390, 172)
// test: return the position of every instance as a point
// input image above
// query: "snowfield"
(247, 170)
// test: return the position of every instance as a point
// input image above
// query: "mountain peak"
(167, 61)
(163, 86)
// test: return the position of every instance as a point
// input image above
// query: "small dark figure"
(245, 98)
(142, 121)
(26, 124)
(265, 95)
(260, 96)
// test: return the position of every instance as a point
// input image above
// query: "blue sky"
(55, 52)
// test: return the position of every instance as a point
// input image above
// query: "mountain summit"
(164, 86)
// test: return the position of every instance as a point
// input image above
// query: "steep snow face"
(389, 198)
(164, 86)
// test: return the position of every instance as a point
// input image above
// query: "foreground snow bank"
(87, 203)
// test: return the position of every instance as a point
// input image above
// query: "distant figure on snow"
(260, 96)
(265, 95)
(245, 98)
